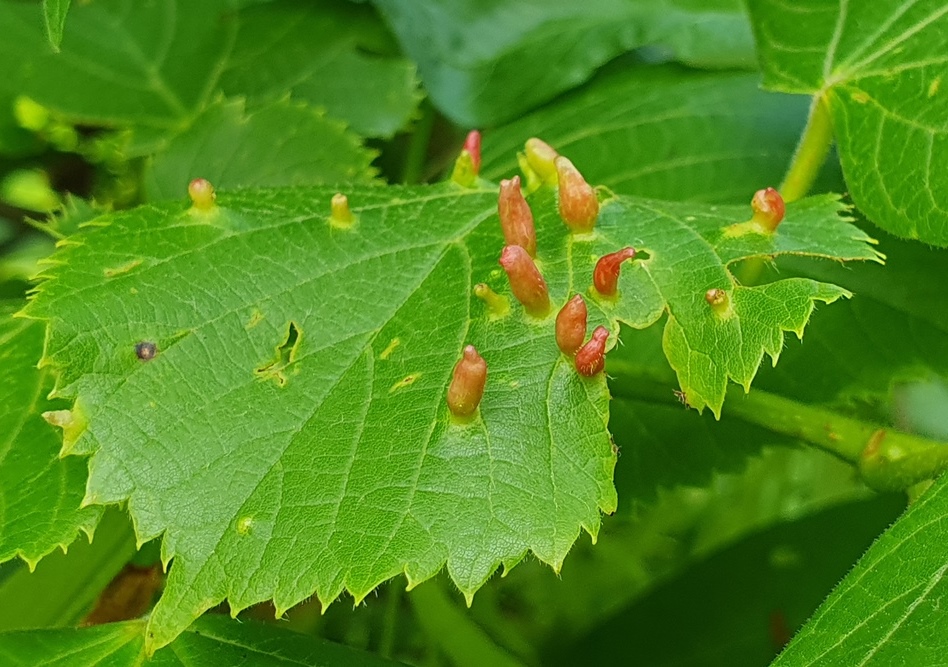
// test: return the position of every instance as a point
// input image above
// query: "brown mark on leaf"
(124, 268)
(406, 381)
(874, 444)
(285, 356)
(682, 397)
(146, 350)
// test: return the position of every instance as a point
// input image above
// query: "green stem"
(390, 622)
(887, 459)
(811, 152)
(417, 151)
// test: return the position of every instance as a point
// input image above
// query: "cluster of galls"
(579, 209)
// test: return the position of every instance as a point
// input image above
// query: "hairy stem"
(811, 152)
(887, 459)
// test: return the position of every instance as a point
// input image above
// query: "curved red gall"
(526, 282)
(769, 208)
(467, 383)
(571, 325)
(606, 273)
(578, 204)
(591, 357)
(516, 218)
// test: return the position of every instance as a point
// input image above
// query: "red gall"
(467, 383)
(768, 208)
(579, 206)
(472, 144)
(571, 325)
(606, 273)
(516, 219)
(525, 280)
(591, 357)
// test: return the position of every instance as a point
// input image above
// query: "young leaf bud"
(516, 219)
(719, 301)
(472, 144)
(571, 325)
(341, 215)
(464, 173)
(541, 157)
(768, 208)
(467, 385)
(606, 273)
(579, 206)
(525, 280)
(202, 194)
(497, 305)
(591, 357)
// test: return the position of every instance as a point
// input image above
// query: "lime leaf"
(886, 611)
(295, 402)
(743, 603)
(54, 12)
(327, 56)
(894, 329)
(124, 63)
(278, 144)
(39, 493)
(664, 132)
(484, 64)
(212, 640)
(873, 62)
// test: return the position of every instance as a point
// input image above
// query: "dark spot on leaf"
(146, 350)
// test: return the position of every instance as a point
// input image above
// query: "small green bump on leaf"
(244, 525)
(202, 194)
(498, 306)
(30, 115)
(540, 159)
(341, 216)
(533, 180)
(464, 174)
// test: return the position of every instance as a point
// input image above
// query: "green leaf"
(740, 605)
(279, 144)
(65, 586)
(887, 610)
(54, 12)
(879, 66)
(40, 493)
(484, 63)
(212, 640)
(326, 54)
(664, 132)
(123, 63)
(298, 394)
(894, 329)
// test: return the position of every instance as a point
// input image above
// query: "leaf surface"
(664, 132)
(278, 144)
(54, 13)
(40, 493)
(296, 406)
(882, 68)
(328, 54)
(212, 640)
(887, 609)
(484, 63)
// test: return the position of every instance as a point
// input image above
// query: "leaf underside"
(291, 435)
(882, 68)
